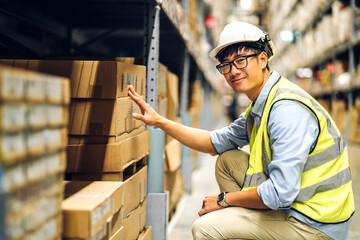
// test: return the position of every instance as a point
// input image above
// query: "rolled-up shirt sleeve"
(230, 137)
(293, 131)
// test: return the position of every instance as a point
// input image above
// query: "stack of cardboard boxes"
(173, 178)
(106, 209)
(354, 135)
(106, 149)
(33, 119)
(195, 108)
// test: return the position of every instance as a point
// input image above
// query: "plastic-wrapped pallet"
(33, 137)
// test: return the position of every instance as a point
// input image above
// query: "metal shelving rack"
(344, 49)
(151, 30)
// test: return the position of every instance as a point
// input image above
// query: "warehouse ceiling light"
(304, 72)
(246, 5)
(287, 36)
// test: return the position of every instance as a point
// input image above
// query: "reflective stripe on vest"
(325, 192)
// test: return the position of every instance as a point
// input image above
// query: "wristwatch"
(221, 200)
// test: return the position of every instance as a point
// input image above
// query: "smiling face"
(251, 79)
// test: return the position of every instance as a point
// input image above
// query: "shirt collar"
(257, 107)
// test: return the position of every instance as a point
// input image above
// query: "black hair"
(234, 48)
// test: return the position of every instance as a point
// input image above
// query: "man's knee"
(200, 229)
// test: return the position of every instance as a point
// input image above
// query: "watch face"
(221, 197)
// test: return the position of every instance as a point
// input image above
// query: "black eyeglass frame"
(218, 67)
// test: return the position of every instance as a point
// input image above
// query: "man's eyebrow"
(236, 56)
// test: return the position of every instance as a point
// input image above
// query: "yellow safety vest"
(325, 192)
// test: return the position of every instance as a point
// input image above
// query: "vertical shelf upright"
(157, 199)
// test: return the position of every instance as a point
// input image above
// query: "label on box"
(35, 141)
(13, 144)
(55, 114)
(128, 79)
(53, 137)
(99, 213)
(54, 89)
(35, 89)
(13, 85)
(37, 115)
(53, 163)
(13, 116)
(36, 168)
(13, 177)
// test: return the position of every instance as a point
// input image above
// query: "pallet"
(129, 169)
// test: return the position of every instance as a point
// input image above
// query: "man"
(296, 184)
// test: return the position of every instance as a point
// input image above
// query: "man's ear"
(263, 59)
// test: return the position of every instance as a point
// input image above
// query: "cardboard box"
(174, 182)
(31, 216)
(35, 88)
(57, 89)
(44, 166)
(339, 113)
(135, 222)
(57, 115)
(135, 189)
(24, 201)
(55, 138)
(25, 85)
(196, 96)
(162, 106)
(12, 148)
(162, 82)
(102, 234)
(354, 135)
(96, 79)
(14, 117)
(107, 157)
(103, 117)
(115, 222)
(129, 169)
(168, 138)
(146, 234)
(50, 229)
(118, 235)
(172, 96)
(89, 205)
(172, 156)
(326, 104)
(87, 139)
(12, 84)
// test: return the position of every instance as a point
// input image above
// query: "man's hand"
(148, 115)
(209, 204)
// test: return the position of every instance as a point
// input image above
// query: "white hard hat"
(237, 32)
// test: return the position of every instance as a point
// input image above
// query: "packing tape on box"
(128, 79)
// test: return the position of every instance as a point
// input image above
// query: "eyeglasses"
(239, 62)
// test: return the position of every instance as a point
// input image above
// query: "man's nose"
(234, 69)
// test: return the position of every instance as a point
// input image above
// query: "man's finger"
(137, 116)
(131, 88)
(138, 100)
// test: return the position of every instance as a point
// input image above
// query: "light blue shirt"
(293, 131)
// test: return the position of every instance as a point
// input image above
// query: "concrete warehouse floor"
(204, 183)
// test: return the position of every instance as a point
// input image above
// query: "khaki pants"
(243, 223)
